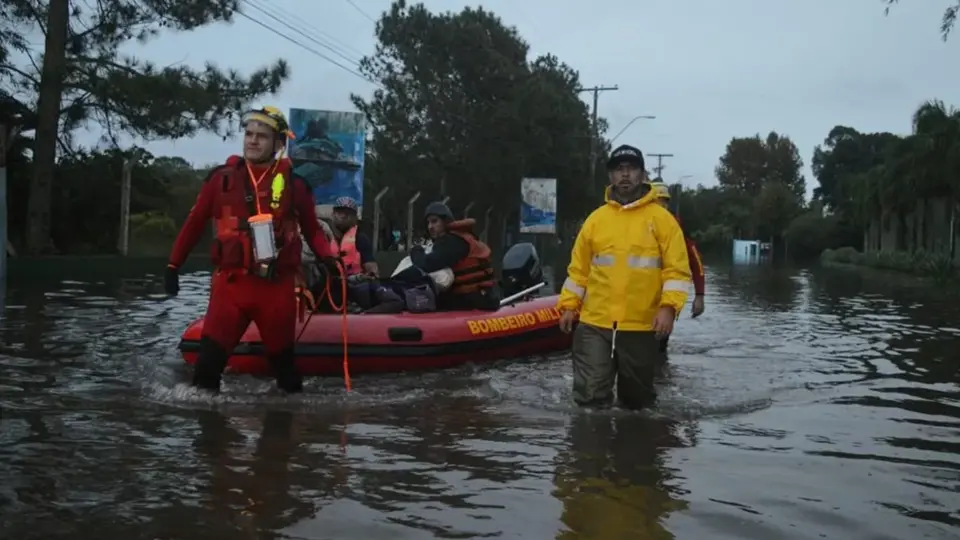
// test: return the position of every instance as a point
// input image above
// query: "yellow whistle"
(276, 190)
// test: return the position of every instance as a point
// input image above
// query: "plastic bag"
(420, 299)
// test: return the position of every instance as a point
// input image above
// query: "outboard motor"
(521, 269)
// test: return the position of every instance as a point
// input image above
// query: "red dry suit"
(238, 295)
(696, 263)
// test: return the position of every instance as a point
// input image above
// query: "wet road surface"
(802, 405)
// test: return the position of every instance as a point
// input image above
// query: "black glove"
(171, 280)
(417, 255)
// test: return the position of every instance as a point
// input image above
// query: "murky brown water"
(803, 405)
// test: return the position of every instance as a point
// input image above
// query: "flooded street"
(803, 404)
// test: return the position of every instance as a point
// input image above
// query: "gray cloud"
(708, 70)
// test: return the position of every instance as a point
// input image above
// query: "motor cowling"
(521, 269)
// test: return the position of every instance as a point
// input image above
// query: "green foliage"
(879, 179)
(119, 92)
(761, 191)
(86, 200)
(946, 23)
(938, 266)
(715, 238)
(842, 165)
(750, 163)
(84, 78)
(812, 232)
(463, 112)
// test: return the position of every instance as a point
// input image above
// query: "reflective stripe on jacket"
(627, 262)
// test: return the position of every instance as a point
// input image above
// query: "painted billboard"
(538, 211)
(328, 153)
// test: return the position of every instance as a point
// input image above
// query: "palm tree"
(936, 148)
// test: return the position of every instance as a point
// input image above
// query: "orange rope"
(342, 308)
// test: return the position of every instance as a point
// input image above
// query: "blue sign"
(328, 153)
(538, 209)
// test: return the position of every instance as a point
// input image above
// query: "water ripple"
(804, 404)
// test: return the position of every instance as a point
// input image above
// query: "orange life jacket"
(234, 203)
(347, 247)
(474, 272)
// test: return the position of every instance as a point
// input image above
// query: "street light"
(630, 123)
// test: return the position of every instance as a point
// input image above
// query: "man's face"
(260, 143)
(626, 178)
(344, 218)
(436, 227)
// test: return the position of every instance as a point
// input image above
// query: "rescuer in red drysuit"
(696, 262)
(243, 289)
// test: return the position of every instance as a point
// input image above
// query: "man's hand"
(330, 266)
(371, 269)
(567, 318)
(663, 322)
(697, 306)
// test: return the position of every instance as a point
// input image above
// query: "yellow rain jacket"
(627, 262)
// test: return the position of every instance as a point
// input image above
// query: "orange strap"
(256, 182)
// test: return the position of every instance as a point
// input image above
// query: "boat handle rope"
(342, 308)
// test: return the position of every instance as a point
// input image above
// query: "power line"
(305, 47)
(289, 26)
(660, 167)
(362, 12)
(294, 20)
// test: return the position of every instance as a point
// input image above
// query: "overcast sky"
(709, 70)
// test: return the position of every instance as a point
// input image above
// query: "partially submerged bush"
(936, 265)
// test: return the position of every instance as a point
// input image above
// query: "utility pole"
(123, 239)
(595, 136)
(659, 168)
(8, 134)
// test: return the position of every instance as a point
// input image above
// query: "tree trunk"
(48, 121)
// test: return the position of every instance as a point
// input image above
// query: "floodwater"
(804, 404)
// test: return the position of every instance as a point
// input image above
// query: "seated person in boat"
(356, 254)
(356, 248)
(455, 246)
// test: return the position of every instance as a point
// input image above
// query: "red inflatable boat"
(383, 343)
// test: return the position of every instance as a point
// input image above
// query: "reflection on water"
(613, 480)
(804, 404)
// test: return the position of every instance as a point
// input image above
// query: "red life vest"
(234, 203)
(474, 272)
(347, 247)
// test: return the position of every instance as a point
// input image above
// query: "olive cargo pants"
(633, 367)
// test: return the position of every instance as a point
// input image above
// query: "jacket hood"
(649, 197)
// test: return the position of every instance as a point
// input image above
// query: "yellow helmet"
(661, 189)
(271, 117)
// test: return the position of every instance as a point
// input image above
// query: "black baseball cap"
(625, 154)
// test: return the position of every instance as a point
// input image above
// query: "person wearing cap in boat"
(356, 252)
(627, 281)
(456, 247)
(355, 248)
(257, 204)
(696, 262)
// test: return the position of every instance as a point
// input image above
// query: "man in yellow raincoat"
(628, 279)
